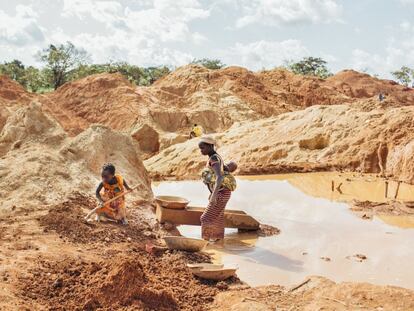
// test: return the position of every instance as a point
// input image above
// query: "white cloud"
(21, 29)
(277, 12)
(136, 50)
(264, 54)
(398, 51)
(103, 11)
(165, 20)
(138, 35)
(383, 65)
(407, 2)
(406, 26)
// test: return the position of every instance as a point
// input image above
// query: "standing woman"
(212, 220)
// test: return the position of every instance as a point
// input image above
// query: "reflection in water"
(352, 186)
(313, 225)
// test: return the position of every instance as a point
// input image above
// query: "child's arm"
(98, 193)
(126, 186)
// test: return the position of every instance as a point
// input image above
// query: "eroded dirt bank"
(364, 137)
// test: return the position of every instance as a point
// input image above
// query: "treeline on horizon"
(65, 63)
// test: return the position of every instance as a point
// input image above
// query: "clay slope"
(12, 96)
(12, 93)
(213, 98)
(173, 104)
(360, 137)
(40, 165)
(107, 99)
(360, 85)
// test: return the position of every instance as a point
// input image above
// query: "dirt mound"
(99, 144)
(241, 90)
(362, 137)
(107, 99)
(29, 125)
(109, 284)
(148, 138)
(242, 94)
(67, 220)
(40, 165)
(360, 85)
(134, 281)
(299, 92)
(12, 93)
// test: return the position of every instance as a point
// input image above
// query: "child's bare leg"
(122, 214)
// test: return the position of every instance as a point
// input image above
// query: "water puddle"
(319, 234)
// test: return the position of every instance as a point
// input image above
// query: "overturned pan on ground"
(172, 202)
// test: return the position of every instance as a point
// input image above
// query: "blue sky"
(376, 36)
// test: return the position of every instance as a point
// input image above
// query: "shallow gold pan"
(219, 274)
(184, 244)
(172, 202)
(201, 266)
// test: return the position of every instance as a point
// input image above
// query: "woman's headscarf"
(207, 139)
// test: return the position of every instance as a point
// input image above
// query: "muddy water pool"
(319, 234)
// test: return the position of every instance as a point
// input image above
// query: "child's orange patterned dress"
(116, 209)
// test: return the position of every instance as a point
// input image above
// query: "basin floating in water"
(184, 244)
(171, 202)
(218, 274)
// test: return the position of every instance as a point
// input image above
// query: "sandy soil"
(55, 261)
(317, 294)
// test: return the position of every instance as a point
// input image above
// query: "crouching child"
(112, 185)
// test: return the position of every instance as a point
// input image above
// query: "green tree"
(15, 70)
(209, 63)
(61, 60)
(152, 74)
(131, 72)
(310, 66)
(404, 75)
(85, 70)
(34, 79)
